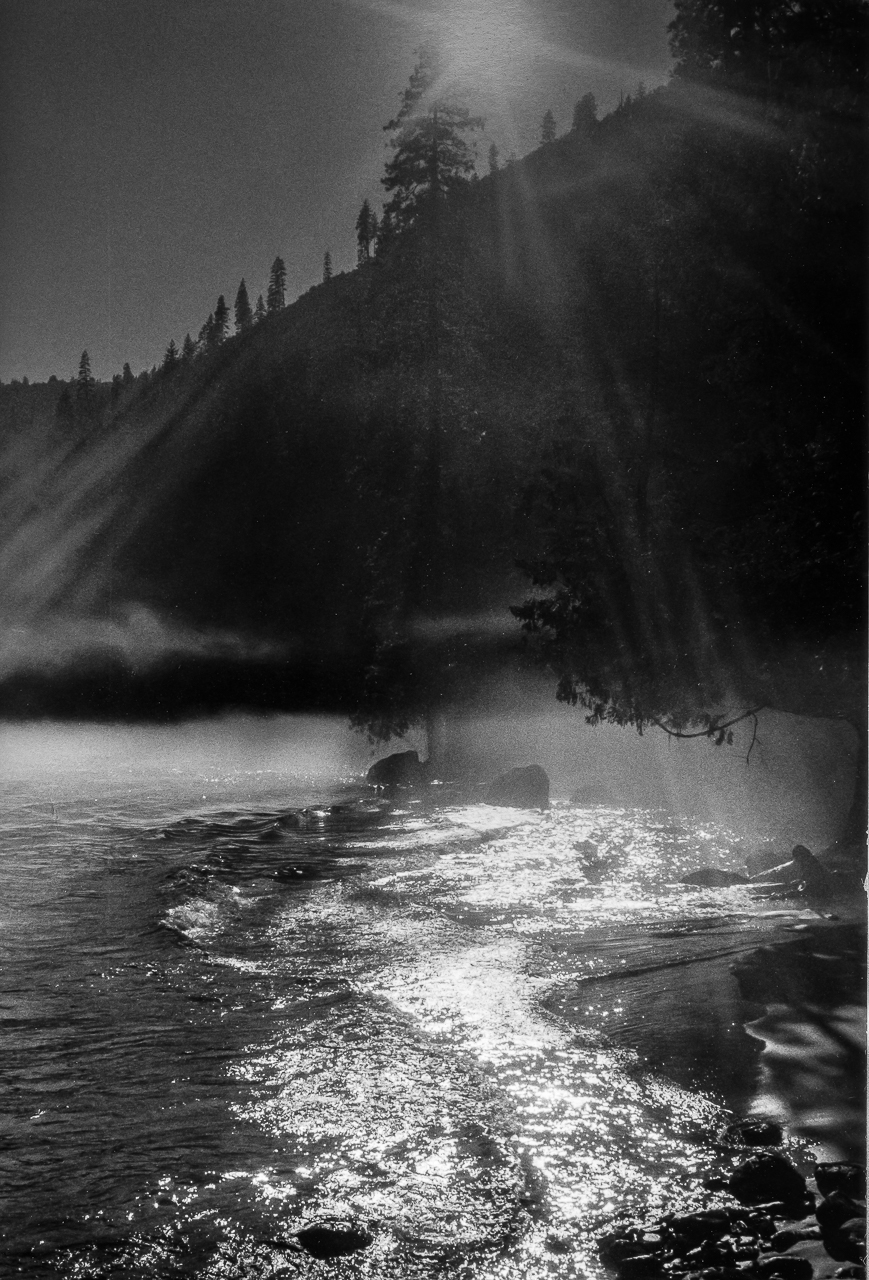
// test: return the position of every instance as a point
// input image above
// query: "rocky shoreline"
(772, 1221)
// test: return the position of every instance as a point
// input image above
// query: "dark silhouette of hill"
(667, 310)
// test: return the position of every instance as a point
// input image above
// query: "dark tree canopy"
(221, 320)
(702, 523)
(243, 313)
(170, 359)
(585, 114)
(85, 380)
(260, 310)
(327, 266)
(277, 290)
(366, 232)
(431, 156)
(777, 48)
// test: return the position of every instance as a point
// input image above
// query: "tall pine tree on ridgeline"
(188, 349)
(170, 359)
(366, 232)
(243, 313)
(277, 290)
(221, 320)
(327, 266)
(259, 310)
(84, 382)
(430, 154)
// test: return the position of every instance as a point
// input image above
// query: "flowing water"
(235, 1002)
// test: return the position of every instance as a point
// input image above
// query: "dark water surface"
(233, 1002)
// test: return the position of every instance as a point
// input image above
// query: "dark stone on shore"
(847, 1243)
(703, 1225)
(789, 1236)
(617, 1247)
(753, 1133)
(850, 1179)
(836, 1209)
(333, 1239)
(716, 1273)
(522, 788)
(401, 769)
(767, 1176)
(785, 1265)
(640, 1265)
(714, 878)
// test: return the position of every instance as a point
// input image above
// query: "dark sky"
(156, 151)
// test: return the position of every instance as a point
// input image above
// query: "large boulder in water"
(326, 1240)
(523, 788)
(401, 769)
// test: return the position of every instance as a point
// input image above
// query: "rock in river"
(523, 788)
(766, 1176)
(753, 1133)
(401, 769)
(333, 1239)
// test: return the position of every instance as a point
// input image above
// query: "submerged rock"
(714, 878)
(765, 1177)
(526, 787)
(333, 1239)
(753, 1133)
(401, 769)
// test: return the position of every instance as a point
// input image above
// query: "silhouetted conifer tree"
(327, 266)
(585, 114)
(277, 290)
(243, 313)
(127, 375)
(170, 359)
(260, 310)
(430, 156)
(85, 381)
(205, 338)
(547, 129)
(221, 320)
(366, 232)
(188, 349)
(386, 233)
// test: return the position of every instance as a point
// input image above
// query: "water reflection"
(446, 1024)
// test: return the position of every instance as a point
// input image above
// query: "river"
(236, 999)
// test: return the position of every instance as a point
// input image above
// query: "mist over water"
(242, 992)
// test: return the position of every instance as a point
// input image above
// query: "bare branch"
(753, 739)
(714, 727)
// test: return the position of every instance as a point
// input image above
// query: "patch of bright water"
(220, 1023)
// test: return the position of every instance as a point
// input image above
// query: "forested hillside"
(618, 384)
